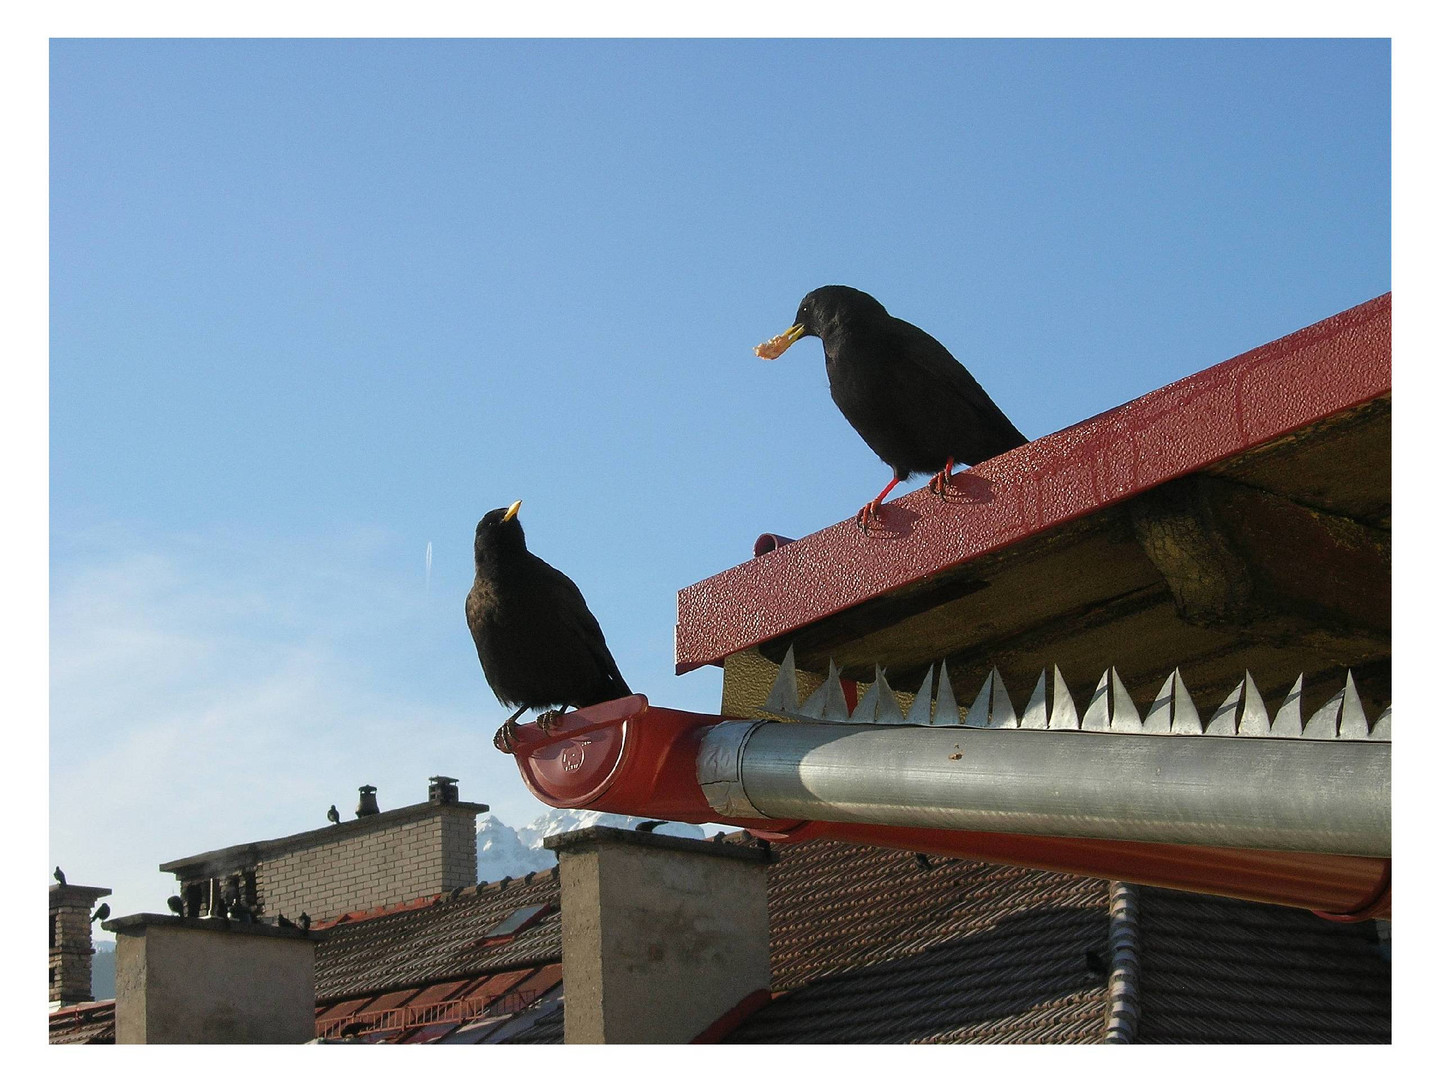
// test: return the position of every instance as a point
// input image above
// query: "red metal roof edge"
(425, 901)
(1323, 369)
(376, 912)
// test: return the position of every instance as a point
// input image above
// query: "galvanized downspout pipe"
(1270, 794)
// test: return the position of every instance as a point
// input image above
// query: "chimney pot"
(368, 805)
(444, 789)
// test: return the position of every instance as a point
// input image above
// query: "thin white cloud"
(193, 708)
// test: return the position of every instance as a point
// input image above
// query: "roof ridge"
(505, 882)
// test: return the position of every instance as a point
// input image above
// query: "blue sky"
(316, 305)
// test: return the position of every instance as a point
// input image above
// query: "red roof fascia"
(376, 912)
(1215, 414)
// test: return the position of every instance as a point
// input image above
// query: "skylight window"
(513, 923)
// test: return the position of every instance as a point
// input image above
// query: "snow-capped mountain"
(511, 852)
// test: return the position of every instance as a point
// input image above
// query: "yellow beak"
(769, 350)
(514, 509)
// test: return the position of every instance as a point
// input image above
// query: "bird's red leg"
(872, 508)
(940, 479)
(505, 737)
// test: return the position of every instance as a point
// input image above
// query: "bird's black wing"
(574, 615)
(939, 370)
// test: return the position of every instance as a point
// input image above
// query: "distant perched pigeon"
(913, 403)
(304, 922)
(175, 904)
(101, 913)
(60, 875)
(281, 920)
(332, 815)
(538, 643)
(923, 861)
(649, 826)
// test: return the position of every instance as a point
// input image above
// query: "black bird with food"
(912, 402)
(539, 646)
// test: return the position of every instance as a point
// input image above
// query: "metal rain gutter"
(1281, 810)
(1275, 795)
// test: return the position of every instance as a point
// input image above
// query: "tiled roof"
(440, 941)
(1219, 970)
(88, 1022)
(481, 1007)
(867, 945)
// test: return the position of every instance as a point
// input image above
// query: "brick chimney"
(661, 936)
(183, 980)
(71, 944)
(379, 857)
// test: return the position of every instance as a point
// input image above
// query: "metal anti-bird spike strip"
(828, 702)
(947, 709)
(1111, 709)
(879, 705)
(785, 694)
(992, 706)
(1287, 723)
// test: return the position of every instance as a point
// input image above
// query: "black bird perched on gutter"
(332, 815)
(101, 913)
(304, 922)
(59, 875)
(175, 904)
(912, 402)
(538, 644)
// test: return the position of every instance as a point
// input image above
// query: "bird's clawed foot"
(505, 737)
(868, 513)
(939, 481)
(546, 721)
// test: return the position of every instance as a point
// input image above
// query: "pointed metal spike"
(1353, 724)
(947, 709)
(1162, 709)
(828, 701)
(1034, 715)
(1287, 723)
(1123, 714)
(1097, 713)
(1186, 718)
(887, 706)
(785, 694)
(865, 708)
(920, 708)
(1063, 714)
(1002, 710)
(1226, 720)
(1325, 723)
(1381, 731)
(979, 714)
(1254, 720)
